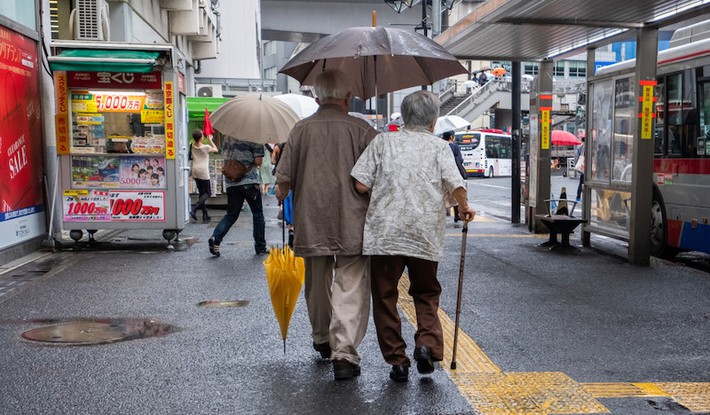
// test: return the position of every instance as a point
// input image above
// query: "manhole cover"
(98, 331)
(219, 304)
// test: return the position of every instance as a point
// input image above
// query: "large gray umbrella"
(376, 59)
(255, 118)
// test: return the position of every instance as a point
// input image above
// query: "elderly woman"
(410, 172)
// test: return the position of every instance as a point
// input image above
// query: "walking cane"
(464, 233)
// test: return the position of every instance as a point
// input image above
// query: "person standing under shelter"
(329, 216)
(246, 188)
(579, 152)
(200, 152)
(410, 172)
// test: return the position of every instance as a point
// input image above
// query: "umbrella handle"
(464, 234)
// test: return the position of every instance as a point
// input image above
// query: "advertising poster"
(86, 205)
(95, 171)
(20, 123)
(143, 172)
(137, 206)
(21, 188)
(113, 206)
(108, 171)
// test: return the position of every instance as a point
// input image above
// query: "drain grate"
(223, 303)
(98, 331)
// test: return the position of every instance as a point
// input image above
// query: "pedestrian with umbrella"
(410, 172)
(249, 122)
(329, 216)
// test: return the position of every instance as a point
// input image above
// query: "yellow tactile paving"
(490, 391)
(693, 395)
(623, 390)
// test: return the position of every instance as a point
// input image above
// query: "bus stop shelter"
(545, 30)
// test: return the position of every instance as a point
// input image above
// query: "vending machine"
(120, 143)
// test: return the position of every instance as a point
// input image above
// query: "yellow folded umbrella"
(285, 274)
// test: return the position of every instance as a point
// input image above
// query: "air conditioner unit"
(90, 20)
(208, 90)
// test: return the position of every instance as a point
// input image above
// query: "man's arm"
(281, 190)
(465, 211)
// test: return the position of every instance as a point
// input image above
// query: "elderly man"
(329, 216)
(410, 172)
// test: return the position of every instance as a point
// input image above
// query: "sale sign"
(20, 123)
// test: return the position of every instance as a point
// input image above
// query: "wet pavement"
(542, 332)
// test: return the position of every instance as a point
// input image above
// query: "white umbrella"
(303, 105)
(450, 123)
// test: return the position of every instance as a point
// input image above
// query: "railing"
(487, 88)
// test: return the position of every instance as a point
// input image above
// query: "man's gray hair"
(332, 84)
(420, 109)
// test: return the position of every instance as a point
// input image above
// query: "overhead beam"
(568, 22)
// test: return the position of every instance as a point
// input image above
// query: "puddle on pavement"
(78, 332)
(223, 303)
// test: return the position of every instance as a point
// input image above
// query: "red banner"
(20, 123)
(115, 80)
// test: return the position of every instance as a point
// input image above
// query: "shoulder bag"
(234, 169)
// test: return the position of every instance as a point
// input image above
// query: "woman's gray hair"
(420, 109)
(332, 84)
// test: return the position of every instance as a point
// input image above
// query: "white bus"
(681, 168)
(486, 152)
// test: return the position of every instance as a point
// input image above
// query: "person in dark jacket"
(458, 157)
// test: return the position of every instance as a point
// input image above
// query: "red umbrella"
(207, 127)
(564, 138)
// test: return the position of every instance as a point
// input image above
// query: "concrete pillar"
(591, 57)
(515, 130)
(642, 158)
(51, 162)
(540, 174)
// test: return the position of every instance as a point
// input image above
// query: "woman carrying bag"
(200, 152)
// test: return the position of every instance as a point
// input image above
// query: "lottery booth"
(120, 127)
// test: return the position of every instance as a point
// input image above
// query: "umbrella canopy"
(303, 105)
(376, 59)
(564, 138)
(450, 123)
(285, 274)
(207, 125)
(258, 119)
(498, 71)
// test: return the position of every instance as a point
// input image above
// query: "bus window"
(674, 97)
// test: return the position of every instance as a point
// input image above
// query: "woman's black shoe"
(399, 373)
(425, 364)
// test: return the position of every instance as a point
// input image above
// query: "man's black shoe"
(399, 373)
(263, 251)
(206, 218)
(192, 214)
(214, 247)
(425, 364)
(344, 370)
(323, 349)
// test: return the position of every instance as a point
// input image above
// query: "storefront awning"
(97, 60)
(196, 106)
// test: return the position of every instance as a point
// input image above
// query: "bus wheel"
(659, 230)
(490, 172)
